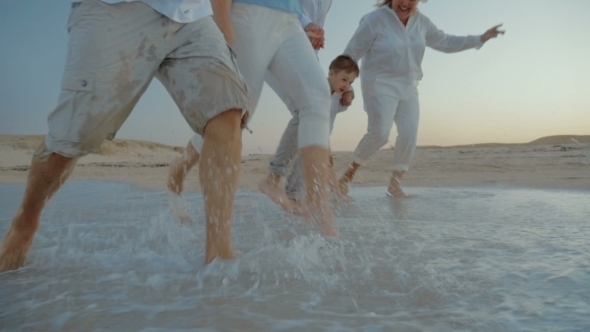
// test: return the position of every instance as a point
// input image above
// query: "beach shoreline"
(560, 162)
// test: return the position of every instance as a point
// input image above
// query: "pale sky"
(530, 83)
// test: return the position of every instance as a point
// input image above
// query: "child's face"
(340, 81)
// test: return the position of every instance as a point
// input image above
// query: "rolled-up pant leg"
(287, 149)
(294, 183)
(297, 70)
(381, 110)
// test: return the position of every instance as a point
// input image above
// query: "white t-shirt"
(181, 11)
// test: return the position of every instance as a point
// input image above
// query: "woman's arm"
(440, 41)
(361, 41)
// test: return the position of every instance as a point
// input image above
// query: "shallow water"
(109, 256)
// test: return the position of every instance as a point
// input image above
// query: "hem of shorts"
(243, 105)
(63, 148)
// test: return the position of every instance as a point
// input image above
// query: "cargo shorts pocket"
(74, 113)
(77, 82)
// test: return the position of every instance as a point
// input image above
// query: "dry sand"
(549, 162)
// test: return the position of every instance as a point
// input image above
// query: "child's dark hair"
(346, 63)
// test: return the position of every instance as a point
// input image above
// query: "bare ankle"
(225, 254)
(272, 179)
(15, 247)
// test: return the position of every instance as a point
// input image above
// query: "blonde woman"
(391, 41)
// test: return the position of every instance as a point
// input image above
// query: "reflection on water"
(109, 256)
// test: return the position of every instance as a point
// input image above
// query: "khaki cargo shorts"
(114, 52)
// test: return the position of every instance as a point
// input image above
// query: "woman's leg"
(381, 110)
(406, 119)
(287, 149)
(256, 46)
(296, 68)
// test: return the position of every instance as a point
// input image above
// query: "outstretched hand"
(492, 33)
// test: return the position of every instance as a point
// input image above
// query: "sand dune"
(115, 147)
(555, 162)
(563, 139)
(548, 140)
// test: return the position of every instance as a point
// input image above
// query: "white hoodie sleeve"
(304, 20)
(440, 41)
(361, 41)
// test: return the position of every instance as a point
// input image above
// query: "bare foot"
(343, 184)
(176, 175)
(270, 187)
(14, 250)
(336, 189)
(178, 207)
(347, 177)
(396, 192)
(337, 193)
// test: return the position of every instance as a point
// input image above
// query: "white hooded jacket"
(392, 53)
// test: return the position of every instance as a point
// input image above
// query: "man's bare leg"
(44, 179)
(179, 168)
(219, 173)
(271, 187)
(394, 189)
(316, 174)
(347, 177)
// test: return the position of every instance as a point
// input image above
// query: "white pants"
(294, 183)
(287, 149)
(272, 40)
(383, 110)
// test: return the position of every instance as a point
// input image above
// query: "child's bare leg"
(219, 173)
(44, 179)
(335, 185)
(316, 174)
(179, 168)
(394, 189)
(270, 185)
(347, 177)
